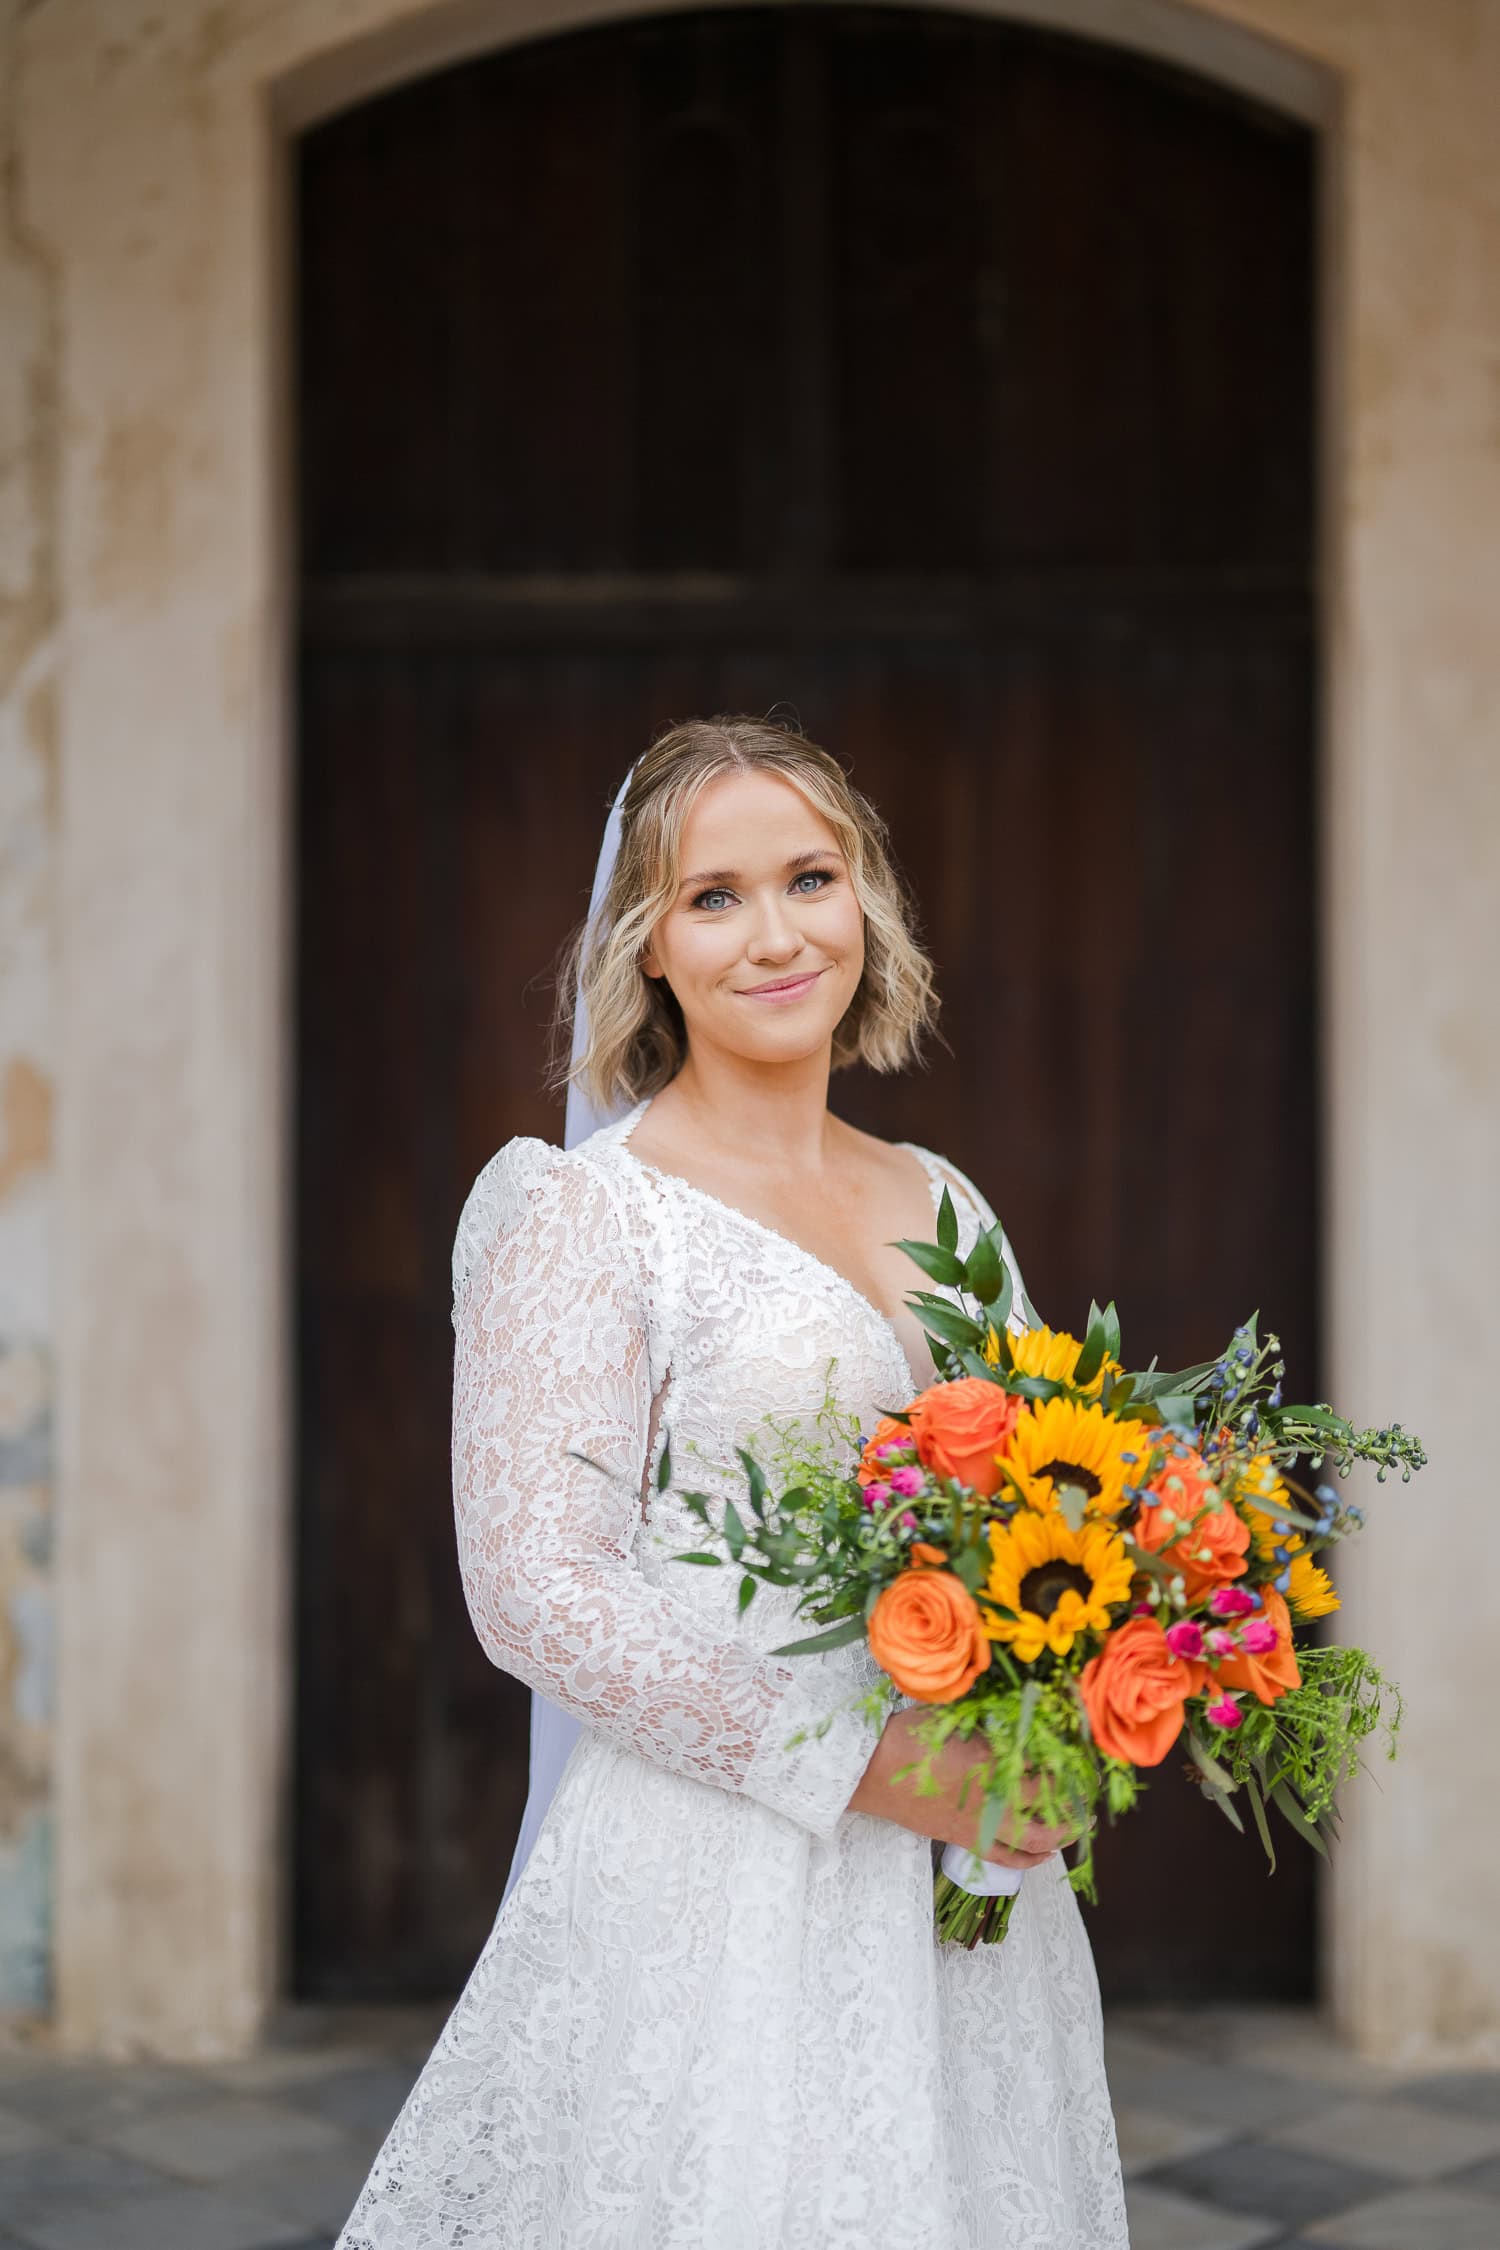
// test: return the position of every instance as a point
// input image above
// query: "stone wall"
(143, 761)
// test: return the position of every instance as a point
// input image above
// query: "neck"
(779, 1111)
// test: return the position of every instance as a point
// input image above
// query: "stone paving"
(1241, 2129)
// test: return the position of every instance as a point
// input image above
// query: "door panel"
(950, 387)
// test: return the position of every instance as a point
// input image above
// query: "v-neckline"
(785, 1241)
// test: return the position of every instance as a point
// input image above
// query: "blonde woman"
(711, 2014)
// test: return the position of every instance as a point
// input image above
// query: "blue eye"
(817, 876)
(704, 896)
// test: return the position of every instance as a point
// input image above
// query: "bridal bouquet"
(1078, 1568)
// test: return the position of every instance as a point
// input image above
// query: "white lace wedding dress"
(712, 2014)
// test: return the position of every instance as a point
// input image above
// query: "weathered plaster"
(28, 828)
(150, 268)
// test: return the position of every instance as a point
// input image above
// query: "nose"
(774, 935)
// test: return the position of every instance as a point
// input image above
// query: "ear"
(650, 966)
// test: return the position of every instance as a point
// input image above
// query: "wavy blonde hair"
(637, 1040)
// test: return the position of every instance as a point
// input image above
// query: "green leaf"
(734, 1531)
(983, 1271)
(947, 1222)
(1111, 1330)
(588, 1461)
(1031, 1696)
(754, 1479)
(1226, 1807)
(977, 1364)
(1258, 1807)
(1091, 1358)
(938, 1264)
(664, 1466)
(1176, 1410)
(1287, 1805)
(1004, 1299)
(1152, 1384)
(837, 1636)
(710, 1561)
(953, 1327)
(747, 1593)
(1207, 1765)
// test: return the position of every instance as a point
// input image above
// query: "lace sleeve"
(552, 1354)
(1023, 1313)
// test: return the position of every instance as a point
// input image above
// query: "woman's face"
(764, 944)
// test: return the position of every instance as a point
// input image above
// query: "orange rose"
(887, 1431)
(961, 1427)
(926, 1632)
(1134, 1690)
(1266, 1676)
(1214, 1550)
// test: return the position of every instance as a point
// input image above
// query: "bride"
(711, 2013)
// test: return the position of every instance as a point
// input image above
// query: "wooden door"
(949, 385)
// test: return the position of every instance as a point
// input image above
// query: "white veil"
(554, 1732)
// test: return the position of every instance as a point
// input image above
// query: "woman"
(711, 2014)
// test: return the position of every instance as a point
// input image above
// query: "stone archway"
(153, 169)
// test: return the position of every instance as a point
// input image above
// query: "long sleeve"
(552, 1356)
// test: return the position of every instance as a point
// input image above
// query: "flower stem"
(964, 1919)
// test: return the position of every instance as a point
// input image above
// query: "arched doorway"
(951, 383)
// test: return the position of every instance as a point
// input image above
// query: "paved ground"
(1241, 2130)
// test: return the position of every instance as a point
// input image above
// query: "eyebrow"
(731, 875)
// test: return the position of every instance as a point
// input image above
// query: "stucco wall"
(28, 830)
(140, 446)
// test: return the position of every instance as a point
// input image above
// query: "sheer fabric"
(711, 2011)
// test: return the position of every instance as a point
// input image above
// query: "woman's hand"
(1018, 1842)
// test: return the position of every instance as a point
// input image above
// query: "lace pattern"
(711, 2015)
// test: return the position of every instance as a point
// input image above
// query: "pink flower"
(1225, 1713)
(1259, 1637)
(908, 1482)
(910, 1521)
(1144, 1609)
(1185, 1638)
(1221, 1641)
(1232, 1601)
(889, 1452)
(876, 1495)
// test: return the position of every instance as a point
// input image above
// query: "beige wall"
(139, 494)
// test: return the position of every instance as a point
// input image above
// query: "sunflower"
(1051, 1353)
(1309, 1592)
(1261, 1494)
(1058, 1583)
(1062, 1442)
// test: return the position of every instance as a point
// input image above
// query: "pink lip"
(786, 988)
